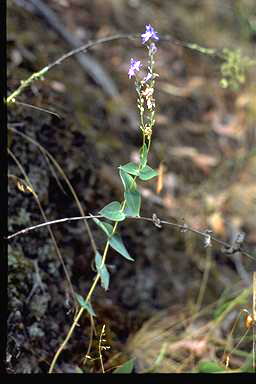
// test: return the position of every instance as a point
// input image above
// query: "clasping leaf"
(113, 211)
(147, 173)
(131, 194)
(102, 270)
(106, 227)
(143, 155)
(116, 243)
(85, 304)
(131, 168)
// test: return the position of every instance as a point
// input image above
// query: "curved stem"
(71, 330)
(66, 339)
(39, 75)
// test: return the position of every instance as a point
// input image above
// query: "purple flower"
(134, 66)
(148, 77)
(149, 34)
(152, 49)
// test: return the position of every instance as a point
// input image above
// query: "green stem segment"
(26, 83)
(11, 98)
(88, 297)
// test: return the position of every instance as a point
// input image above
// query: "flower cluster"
(145, 87)
(136, 64)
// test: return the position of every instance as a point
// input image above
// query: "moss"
(19, 277)
(17, 263)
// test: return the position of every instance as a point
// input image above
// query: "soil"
(204, 137)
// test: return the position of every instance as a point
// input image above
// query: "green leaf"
(220, 309)
(127, 180)
(133, 203)
(85, 304)
(106, 227)
(143, 155)
(127, 367)
(131, 168)
(102, 270)
(147, 173)
(210, 367)
(117, 244)
(112, 211)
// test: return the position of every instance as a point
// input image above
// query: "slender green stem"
(88, 297)
(24, 84)
(93, 286)
(39, 75)
(71, 330)
(66, 339)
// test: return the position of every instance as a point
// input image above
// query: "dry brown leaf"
(201, 160)
(58, 86)
(197, 347)
(216, 222)
(169, 202)
(205, 162)
(184, 151)
(160, 179)
(215, 202)
(233, 128)
(194, 83)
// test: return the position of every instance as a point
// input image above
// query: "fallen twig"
(226, 247)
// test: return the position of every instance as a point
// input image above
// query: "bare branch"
(182, 227)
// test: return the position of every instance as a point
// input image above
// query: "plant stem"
(88, 297)
(71, 330)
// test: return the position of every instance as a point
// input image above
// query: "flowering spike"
(134, 66)
(149, 34)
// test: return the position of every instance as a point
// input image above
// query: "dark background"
(204, 137)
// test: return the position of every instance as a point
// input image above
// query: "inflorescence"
(145, 86)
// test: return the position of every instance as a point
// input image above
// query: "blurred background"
(173, 308)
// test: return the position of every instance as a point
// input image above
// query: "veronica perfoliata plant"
(129, 173)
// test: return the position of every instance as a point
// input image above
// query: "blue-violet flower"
(149, 34)
(134, 66)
